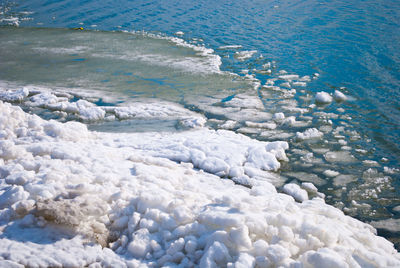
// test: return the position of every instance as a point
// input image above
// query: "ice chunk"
(393, 225)
(331, 173)
(325, 257)
(279, 116)
(308, 186)
(295, 191)
(140, 244)
(244, 55)
(258, 157)
(277, 253)
(323, 97)
(240, 236)
(11, 195)
(14, 95)
(215, 256)
(340, 157)
(289, 77)
(244, 261)
(311, 133)
(339, 96)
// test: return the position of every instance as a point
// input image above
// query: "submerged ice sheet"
(71, 107)
(71, 197)
(134, 64)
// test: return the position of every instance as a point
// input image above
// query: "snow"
(72, 197)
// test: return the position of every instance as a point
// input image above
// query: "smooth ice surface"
(72, 197)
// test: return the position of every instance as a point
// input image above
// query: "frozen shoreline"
(65, 191)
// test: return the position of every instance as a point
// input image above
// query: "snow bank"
(71, 197)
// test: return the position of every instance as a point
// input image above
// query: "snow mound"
(108, 200)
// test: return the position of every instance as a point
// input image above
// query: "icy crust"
(70, 197)
(70, 105)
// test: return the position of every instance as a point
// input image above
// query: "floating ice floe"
(392, 225)
(331, 173)
(71, 197)
(323, 97)
(339, 96)
(289, 77)
(230, 47)
(311, 133)
(278, 116)
(244, 55)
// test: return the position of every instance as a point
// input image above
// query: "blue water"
(353, 45)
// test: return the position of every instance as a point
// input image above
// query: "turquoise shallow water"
(353, 46)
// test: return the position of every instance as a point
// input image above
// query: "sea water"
(240, 65)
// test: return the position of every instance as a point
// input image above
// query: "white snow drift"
(71, 197)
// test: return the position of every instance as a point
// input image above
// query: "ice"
(339, 96)
(230, 47)
(331, 173)
(340, 157)
(267, 125)
(323, 97)
(392, 225)
(325, 258)
(244, 55)
(295, 191)
(279, 116)
(307, 177)
(343, 179)
(311, 133)
(89, 112)
(78, 198)
(309, 187)
(389, 170)
(14, 95)
(240, 108)
(299, 84)
(289, 77)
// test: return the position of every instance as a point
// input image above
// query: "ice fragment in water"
(323, 97)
